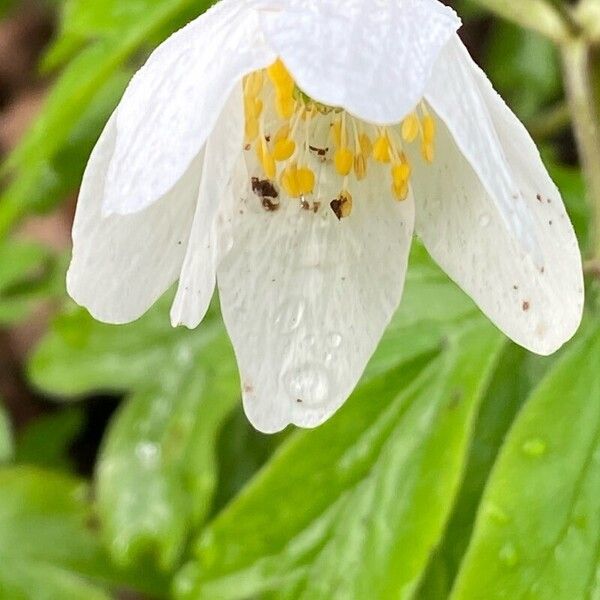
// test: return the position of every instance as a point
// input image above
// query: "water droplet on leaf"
(534, 447)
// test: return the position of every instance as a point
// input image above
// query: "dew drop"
(225, 244)
(534, 447)
(484, 220)
(335, 340)
(148, 454)
(307, 385)
(497, 514)
(289, 315)
(509, 555)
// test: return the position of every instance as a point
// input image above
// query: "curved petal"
(306, 298)
(372, 58)
(538, 306)
(456, 97)
(173, 102)
(198, 276)
(122, 264)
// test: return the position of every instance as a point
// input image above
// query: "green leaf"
(46, 440)
(538, 527)
(48, 547)
(26, 270)
(505, 395)
(51, 157)
(6, 442)
(353, 509)
(516, 55)
(157, 471)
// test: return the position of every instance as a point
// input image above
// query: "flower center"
(288, 131)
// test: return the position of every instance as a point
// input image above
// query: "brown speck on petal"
(526, 306)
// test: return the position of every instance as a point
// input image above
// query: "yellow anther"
(266, 160)
(281, 78)
(366, 146)
(336, 133)
(285, 106)
(429, 129)
(400, 191)
(253, 107)
(252, 130)
(381, 149)
(282, 134)
(254, 84)
(342, 205)
(306, 181)
(344, 161)
(284, 149)
(410, 128)
(401, 174)
(360, 166)
(428, 152)
(289, 181)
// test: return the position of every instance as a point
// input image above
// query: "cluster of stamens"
(286, 146)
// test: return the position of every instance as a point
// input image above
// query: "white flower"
(222, 164)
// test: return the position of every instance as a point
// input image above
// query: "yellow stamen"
(344, 161)
(381, 149)
(410, 128)
(360, 166)
(366, 146)
(342, 205)
(429, 129)
(284, 149)
(266, 159)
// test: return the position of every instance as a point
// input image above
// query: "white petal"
(373, 58)
(538, 306)
(454, 94)
(173, 102)
(198, 277)
(122, 264)
(306, 298)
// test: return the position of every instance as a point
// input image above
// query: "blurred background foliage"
(462, 467)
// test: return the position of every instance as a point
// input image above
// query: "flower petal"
(198, 277)
(122, 264)
(306, 298)
(538, 306)
(173, 102)
(455, 96)
(372, 58)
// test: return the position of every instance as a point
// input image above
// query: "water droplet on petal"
(307, 385)
(148, 454)
(484, 220)
(534, 447)
(509, 555)
(289, 315)
(335, 340)
(225, 243)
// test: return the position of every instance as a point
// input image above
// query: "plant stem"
(537, 15)
(580, 92)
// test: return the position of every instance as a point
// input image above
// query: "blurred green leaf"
(538, 525)
(354, 509)
(6, 441)
(48, 548)
(157, 471)
(516, 56)
(26, 271)
(45, 441)
(49, 161)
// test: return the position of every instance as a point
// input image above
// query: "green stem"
(580, 92)
(537, 15)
